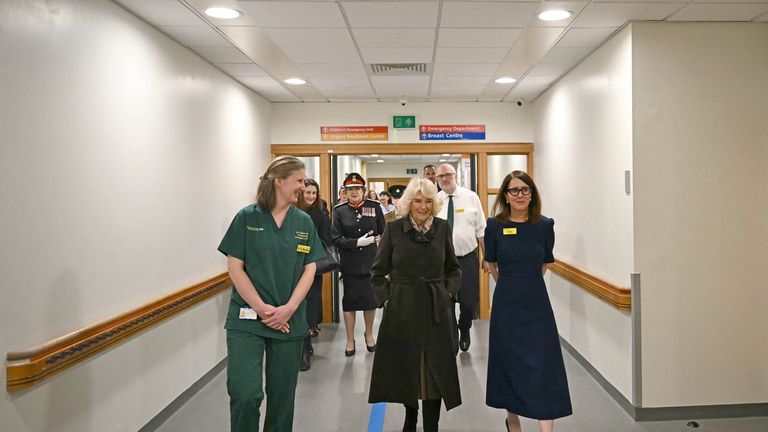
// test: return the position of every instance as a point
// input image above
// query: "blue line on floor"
(376, 422)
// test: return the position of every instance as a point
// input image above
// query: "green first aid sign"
(403, 122)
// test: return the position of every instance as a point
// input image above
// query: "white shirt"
(468, 219)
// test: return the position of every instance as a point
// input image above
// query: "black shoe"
(311, 350)
(350, 353)
(305, 361)
(464, 340)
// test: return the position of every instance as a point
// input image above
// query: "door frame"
(481, 149)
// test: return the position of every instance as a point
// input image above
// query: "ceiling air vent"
(399, 68)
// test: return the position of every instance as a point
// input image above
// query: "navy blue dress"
(526, 374)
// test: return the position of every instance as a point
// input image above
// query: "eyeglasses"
(525, 190)
(446, 175)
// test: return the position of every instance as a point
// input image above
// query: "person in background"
(312, 205)
(385, 198)
(526, 374)
(357, 226)
(430, 173)
(342, 195)
(416, 278)
(271, 248)
(465, 216)
(372, 195)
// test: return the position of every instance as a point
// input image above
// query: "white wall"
(583, 145)
(123, 159)
(701, 201)
(299, 123)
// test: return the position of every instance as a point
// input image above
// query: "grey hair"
(427, 189)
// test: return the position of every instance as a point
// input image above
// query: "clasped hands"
(367, 239)
(276, 317)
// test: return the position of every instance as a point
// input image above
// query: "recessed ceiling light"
(446, 154)
(222, 12)
(295, 81)
(380, 160)
(374, 155)
(504, 80)
(555, 15)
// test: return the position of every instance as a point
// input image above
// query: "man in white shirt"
(464, 213)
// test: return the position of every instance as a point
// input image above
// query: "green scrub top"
(274, 261)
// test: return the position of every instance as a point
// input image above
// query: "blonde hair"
(281, 167)
(427, 189)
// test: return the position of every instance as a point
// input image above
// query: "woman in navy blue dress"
(526, 374)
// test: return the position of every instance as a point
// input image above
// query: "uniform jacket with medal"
(349, 224)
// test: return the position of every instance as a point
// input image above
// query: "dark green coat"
(424, 278)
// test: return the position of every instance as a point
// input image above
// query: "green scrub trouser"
(245, 364)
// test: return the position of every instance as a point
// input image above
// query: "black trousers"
(469, 295)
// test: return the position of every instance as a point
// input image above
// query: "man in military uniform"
(357, 226)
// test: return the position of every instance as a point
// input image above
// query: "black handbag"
(330, 262)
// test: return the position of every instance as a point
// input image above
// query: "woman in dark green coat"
(416, 277)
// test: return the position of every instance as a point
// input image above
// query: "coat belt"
(422, 283)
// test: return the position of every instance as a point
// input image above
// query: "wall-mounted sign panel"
(403, 122)
(354, 133)
(451, 132)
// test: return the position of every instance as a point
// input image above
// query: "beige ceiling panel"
(456, 91)
(323, 83)
(318, 37)
(566, 55)
(406, 86)
(263, 51)
(470, 55)
(616, 14)
(222, 55)
(487, 14)
(464, 69)
(201, 35)
(585, 37)
(332, 69)
(242, 69)
(497, 90)
(392, 14)
(293, 14)
(349, 92)
(444, 81)
(394, 37)
(719, 12)
(526, 93)
(307, 92)
(762, 18)
(538, 80)
(321, 54)
(532, 44)
(551, 69)
(397, 55)
(268, 88)
(573, 6)
(469, 37)
(163, 12)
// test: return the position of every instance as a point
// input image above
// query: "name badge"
(247, 313)
(303, 248)
(459, 210)
(510, 231)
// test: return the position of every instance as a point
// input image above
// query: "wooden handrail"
(32, 366)
(618, 297)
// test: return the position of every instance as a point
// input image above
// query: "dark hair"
(501, 207)
(303, 204)
(429, 166)
(387, 194)
(281, 167)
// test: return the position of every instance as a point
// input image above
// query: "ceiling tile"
(537, 80)
(719, 12)
(527, 93)
(394, 37)
(392, 14)
(551, 69)
(471, 55)
(407, 86)
(268, 88)
(465, 69)
(498, 90)
(293, 14)
(574, 6)
(163, 12)
(397, 55)
(242, 69)
(486, 14)
(317, 37)
(201, 35)
(466, 81)
(616, 14)
(337, 82)
(566, 55)
(349, 92)
(332, 69)
(762, 18)
(469, 37)
(222, 55)
(585, 37)
(456, 91)
(321, 54)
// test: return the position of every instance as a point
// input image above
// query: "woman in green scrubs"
(271, 248)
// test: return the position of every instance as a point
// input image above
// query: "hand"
(365, 240)
(378, 239)
(279, 318)
(486, 266)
